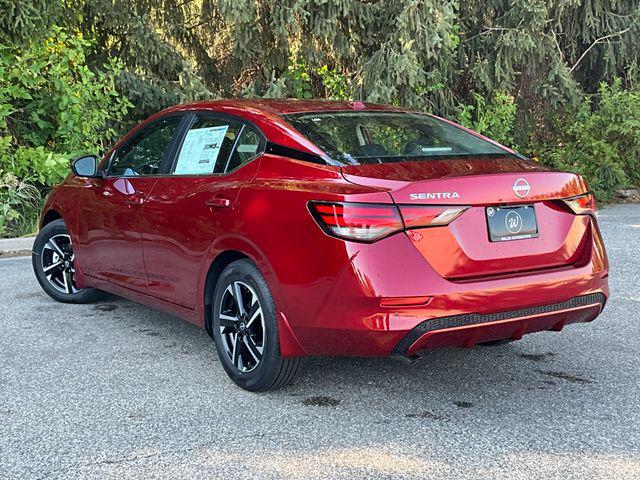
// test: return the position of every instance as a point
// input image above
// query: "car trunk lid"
(463, 250)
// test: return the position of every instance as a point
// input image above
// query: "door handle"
(217, 202)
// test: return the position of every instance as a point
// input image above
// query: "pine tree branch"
(488, 30)
(597, 41)
(555, 40)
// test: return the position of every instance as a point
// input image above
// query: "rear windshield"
(384, 137)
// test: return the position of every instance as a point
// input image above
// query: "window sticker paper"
(200, 150)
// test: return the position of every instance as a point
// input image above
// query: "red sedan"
(291, 228)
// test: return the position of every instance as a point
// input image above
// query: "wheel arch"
(49, 216)
(289, 343)
(219, 263)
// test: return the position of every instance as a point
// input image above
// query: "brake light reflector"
(582, 204)
(360, 222)
(418, 216)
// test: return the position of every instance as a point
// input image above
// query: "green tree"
(426, 54)
(525, 72)
(600, 139)
(52, 107)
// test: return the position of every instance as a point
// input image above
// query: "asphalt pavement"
(117, 390)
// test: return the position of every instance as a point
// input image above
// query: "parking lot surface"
(117, 390)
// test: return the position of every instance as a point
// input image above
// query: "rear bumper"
(468, 329)
(388, 300)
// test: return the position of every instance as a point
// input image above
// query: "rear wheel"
(245, 330)
(53, 263)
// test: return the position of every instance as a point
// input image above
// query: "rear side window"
(144, 154)
(206, 146)
(385, 137)
(246, 149)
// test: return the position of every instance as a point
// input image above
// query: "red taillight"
(368, 222)
(418, 216)
(582, 204)
(361, 222)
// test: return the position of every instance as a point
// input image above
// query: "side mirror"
(85, 166)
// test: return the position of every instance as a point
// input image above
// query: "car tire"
(246, 332)
(53, 264)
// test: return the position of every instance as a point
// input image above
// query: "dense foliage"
(601, 140)
(52, 107)
(556, 79)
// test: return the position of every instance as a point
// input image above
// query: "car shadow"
(457, 374)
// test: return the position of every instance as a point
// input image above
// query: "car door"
(192, 205)
(110, 245)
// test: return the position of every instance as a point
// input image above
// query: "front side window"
(386, 137)
(144, 154)
(206, 146)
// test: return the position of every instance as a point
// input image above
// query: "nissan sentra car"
(289, 228)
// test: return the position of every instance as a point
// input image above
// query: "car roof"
(284, 106)
(266, 114)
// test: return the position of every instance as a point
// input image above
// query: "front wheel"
(53, 263)
(245, 330)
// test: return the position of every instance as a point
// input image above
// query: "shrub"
(19, 205)
(52, 107)
(494, 118)
(601, 140)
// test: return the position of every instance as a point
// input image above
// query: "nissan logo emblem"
(521, 188)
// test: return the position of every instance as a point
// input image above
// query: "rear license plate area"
(516, 222)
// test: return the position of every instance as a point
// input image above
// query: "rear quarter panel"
(275, 229)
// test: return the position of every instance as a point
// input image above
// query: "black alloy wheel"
(245, 330)
(53, 262)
